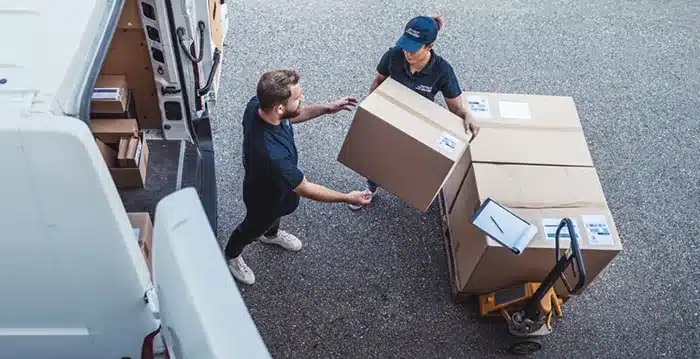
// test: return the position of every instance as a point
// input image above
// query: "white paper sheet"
(504, 226)
(514, 110)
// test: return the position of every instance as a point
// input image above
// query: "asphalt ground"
(374, 284)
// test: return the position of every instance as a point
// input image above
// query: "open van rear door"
(72, 277)
(202, 313)
(197, 31)
(184, 40)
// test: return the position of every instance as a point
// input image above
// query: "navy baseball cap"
(419, 31)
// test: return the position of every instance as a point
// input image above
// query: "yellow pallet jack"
(528, 308)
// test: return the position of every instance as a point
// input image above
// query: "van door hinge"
(170, 90)
(151, 299)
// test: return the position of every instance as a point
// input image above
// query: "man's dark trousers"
(254, 225)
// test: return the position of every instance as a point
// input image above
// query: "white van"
(73, 279)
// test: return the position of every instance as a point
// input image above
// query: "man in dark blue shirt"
(273, 183)
(413, 63)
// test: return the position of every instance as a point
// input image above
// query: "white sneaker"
(355, 207)
(241, 271)
(283, 239)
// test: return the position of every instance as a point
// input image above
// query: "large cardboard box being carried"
(522, 129)
(404, 142)
(541, 195)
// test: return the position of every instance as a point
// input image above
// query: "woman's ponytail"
(439, 21)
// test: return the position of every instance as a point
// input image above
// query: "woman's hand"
(471, 126)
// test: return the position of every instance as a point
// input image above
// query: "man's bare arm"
(320, 193)
(313, 111)
(310, 112)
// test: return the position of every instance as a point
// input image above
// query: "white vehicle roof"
(49, 49)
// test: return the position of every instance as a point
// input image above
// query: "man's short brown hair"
(274, 87)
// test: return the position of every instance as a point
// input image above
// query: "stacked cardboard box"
(112, 98)
(143, 230)
(532, 157)
(124, 150)
(122, 145)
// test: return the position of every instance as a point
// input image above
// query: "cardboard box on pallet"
(541, 195)
(521, 129)
(404, 142)
(533, 110)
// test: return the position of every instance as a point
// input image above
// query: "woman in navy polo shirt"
(413, 63)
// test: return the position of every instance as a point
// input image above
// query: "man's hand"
(471, 126)
(312, 111)
(345, 103)
(358, 198)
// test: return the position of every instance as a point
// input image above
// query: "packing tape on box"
(554, 205)
(506, 124)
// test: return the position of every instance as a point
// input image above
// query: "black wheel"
(525, 346)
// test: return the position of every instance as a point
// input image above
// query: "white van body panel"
(203, 314)
(49, 48)
(73, 280)
(72, 275)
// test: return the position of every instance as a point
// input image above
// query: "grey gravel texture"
(374, 284)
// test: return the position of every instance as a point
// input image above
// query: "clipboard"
(504, 226)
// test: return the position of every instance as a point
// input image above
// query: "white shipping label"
(447, 142)
(479, 106)
(598, 231)
(515, 110)
(137, 157)
(550, 225)
(112, 94)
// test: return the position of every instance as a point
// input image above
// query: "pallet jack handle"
(571, 256)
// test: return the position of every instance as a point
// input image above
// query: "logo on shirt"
(423, 88)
